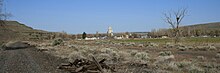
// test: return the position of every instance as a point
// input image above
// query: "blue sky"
(77, 16)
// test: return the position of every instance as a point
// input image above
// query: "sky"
(90, 16)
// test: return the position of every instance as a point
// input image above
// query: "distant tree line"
(186, 32)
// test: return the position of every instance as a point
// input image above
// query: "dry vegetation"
(141, 57)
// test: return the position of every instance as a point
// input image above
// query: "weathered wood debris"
(86, 66)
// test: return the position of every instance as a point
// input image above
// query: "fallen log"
(97, 64)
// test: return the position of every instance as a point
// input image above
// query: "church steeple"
(110, 31)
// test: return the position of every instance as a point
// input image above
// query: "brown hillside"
(13, 30)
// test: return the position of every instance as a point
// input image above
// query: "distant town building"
(164, 37)
(92, 38)
(97, 35)
(110, 32)
(118, 37)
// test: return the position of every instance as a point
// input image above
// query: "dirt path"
(28, 61)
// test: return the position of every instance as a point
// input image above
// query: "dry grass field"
(192, 55)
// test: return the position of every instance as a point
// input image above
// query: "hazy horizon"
(77, 16)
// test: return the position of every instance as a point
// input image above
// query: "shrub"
(202, 48)
(2, 46)
(106, 50)
(195, 69)
(124, 56)
(133, 52)
(205, 48)
(57, 42)
(190, 47)
(142, 56)
(111, 54)
(217, 55)
(182, 48)
(103, 56)
(165, 53)
(200, 57)
(212, 48)
(76, 55)
(164, 57)
(169, 45)
(115, 56)
(172, 66)
(209, 65)
(149, 44)
(140, 45)
(183, 64)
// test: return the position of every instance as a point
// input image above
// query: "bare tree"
(3, 14)
(174, 19)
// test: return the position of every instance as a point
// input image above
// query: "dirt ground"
(28, 60)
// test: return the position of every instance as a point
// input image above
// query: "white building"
(93, 38)
(110, 32)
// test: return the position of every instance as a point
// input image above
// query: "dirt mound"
(15, 45)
